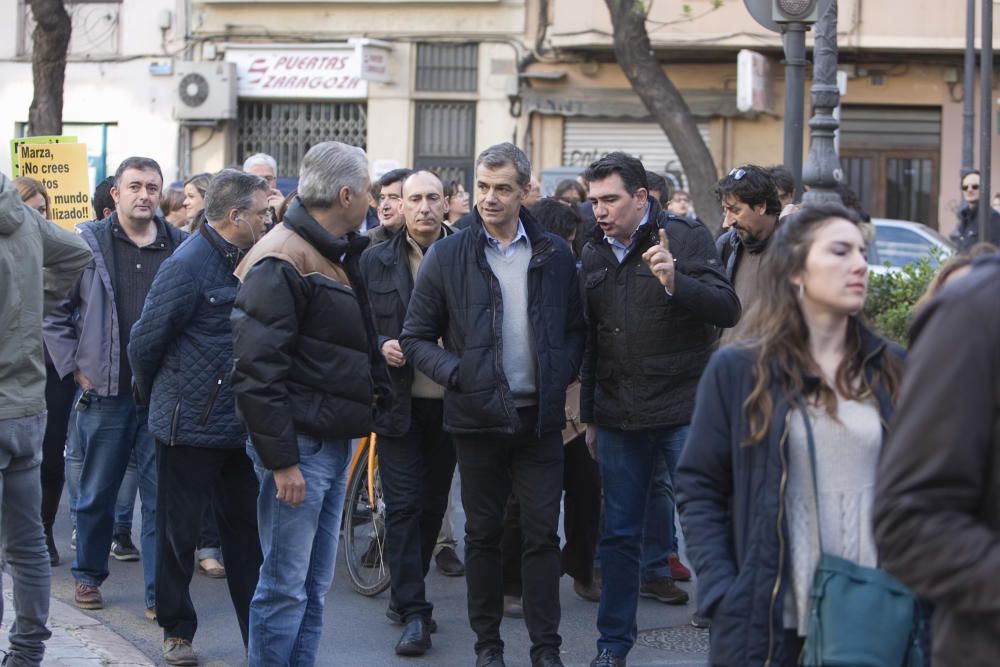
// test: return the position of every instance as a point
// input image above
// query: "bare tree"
(636, 58)
(50, 41)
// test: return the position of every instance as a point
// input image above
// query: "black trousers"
(416, 471)
(187, 477)
(581, 521)
(59, 394)
(492, 467)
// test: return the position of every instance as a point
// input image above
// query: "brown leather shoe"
(88, 596)
(664, 590)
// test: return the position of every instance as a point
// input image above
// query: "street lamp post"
(795, 87)
(793, 18)
(822, 172)
(986, 119)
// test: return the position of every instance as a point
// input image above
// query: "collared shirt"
(134, 269)
(619, 248)
(520, 236)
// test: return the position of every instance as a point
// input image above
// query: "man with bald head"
(416, 456)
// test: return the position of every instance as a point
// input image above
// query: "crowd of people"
(218, 348)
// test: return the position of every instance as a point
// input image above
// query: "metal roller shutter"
(585, 140)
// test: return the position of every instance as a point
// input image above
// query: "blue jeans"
(300, 550)
(110, 430)
(627, 460)
(23, 539)
(125, 504)
(659, 532)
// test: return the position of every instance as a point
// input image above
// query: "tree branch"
(665, 104)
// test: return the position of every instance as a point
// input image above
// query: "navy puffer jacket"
(181, 349)
(731, 501)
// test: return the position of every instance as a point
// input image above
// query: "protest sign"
(62, 169)
(15, 143)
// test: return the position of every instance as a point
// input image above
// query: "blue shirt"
(619, 248)
(520, 236)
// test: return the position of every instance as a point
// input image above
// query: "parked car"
(900, 242)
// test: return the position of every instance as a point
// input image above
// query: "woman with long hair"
(194, 200)
(745, 484)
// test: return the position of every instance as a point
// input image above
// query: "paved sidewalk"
(77, 639)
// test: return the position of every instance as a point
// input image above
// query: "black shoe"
(701, 622)
(416, 638)
(664, 590)
(490, 657)
(606, 658)
(394, 616)
(122, 548)
(448, 563)
(549, 659)
(50, 544)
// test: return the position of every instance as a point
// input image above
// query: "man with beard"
(750, 201)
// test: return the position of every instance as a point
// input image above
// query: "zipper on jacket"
(173, 423)
(782, 454)
(212, 396)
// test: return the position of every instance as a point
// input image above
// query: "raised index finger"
(664, 242)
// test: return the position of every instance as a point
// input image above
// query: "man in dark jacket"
(749, 198)
(937, 498)
(390, 205)
(88, 336)
(966, 234)
(504, 296)
(654, 294)
(303, 345)
(416, 456)
(181, 353)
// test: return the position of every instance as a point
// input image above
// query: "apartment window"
(444, 140)
(447, 68)
(96, 28)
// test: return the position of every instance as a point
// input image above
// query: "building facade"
(201, 84)
(901, 116)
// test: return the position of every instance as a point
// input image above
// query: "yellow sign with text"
(62, 168)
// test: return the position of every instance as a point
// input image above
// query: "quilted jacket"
(181, 349)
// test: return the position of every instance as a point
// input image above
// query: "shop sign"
(330, 73)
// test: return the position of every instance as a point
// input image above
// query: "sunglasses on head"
(971, 186)
(738, 173)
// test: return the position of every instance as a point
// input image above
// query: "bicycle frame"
(366, 444)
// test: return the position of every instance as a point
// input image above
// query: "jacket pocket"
(595, 278)
(213, 395)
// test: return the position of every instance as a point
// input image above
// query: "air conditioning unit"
(204, 90)
(795, 11)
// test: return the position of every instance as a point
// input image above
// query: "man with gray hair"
(181, 351)
(305, 356)
(504, 296)
(265, 166)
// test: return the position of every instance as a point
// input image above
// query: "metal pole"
(795, 84)
(986, 120)
(822, 171)
(968, 88)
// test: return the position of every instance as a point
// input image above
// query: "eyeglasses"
(971, 186)
(738, 173)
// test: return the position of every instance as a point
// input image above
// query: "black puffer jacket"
(646, 349)
(303, 340)
(385, 269)
(458, 297)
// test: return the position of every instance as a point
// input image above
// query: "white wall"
(118, 90)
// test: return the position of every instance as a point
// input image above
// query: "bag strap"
(811, 444)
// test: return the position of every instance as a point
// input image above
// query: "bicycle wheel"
(364, 531)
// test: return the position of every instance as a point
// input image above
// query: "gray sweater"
(511, 270)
